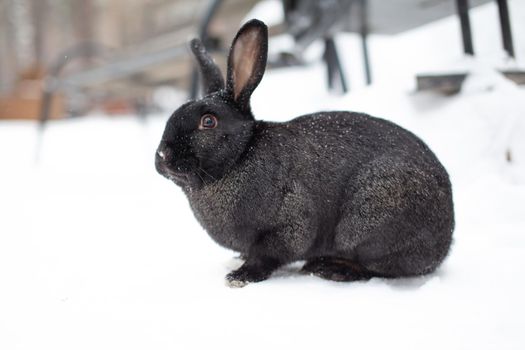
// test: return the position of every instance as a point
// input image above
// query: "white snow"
(97, 251)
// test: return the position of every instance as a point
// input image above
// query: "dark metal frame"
(506, 32)
(331, 56)
(464, 19)
(334, 68)
(451, 83)
(466, 33)
(363, 30)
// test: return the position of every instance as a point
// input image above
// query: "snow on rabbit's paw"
(233, 283)
(244, 275)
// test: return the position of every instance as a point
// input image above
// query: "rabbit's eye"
(208, 121)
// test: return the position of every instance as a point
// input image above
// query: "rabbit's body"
(322, 185)
(353, 195)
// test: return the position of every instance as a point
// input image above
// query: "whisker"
(200, 177)
(213, 161)
(208, 174)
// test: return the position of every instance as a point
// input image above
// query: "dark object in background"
(462, 7)
(310, 20)
(448, 83)
(353, 195)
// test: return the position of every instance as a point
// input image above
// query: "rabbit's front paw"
(246, 274)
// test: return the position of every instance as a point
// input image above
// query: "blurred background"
(124, 48)
(63, 58)
(98, 251)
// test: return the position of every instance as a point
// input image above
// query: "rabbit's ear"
(211, 74)
(247, 61)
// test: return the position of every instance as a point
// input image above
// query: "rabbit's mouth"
(173, 175)
(168, 172)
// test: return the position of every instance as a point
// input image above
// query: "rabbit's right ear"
(211, 74)
(247, 62)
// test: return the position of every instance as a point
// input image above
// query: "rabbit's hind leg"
(336, 269)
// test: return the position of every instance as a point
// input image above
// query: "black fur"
(353, 195)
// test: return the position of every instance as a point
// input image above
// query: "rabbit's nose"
(164, 153)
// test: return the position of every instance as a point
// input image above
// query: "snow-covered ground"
(97, 251)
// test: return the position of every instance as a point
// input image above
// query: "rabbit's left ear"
(211, 74)
(247, 61)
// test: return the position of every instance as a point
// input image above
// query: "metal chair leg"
(333, 66)
(339, 67)
(506, 32)
(462, 8)
(329, 64)
(363, 9)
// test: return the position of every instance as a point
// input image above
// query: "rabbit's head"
(204, 138)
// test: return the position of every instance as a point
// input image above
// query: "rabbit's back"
(327, 151)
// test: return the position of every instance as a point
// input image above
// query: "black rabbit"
(353, 195)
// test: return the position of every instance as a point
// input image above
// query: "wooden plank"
(447, 84)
